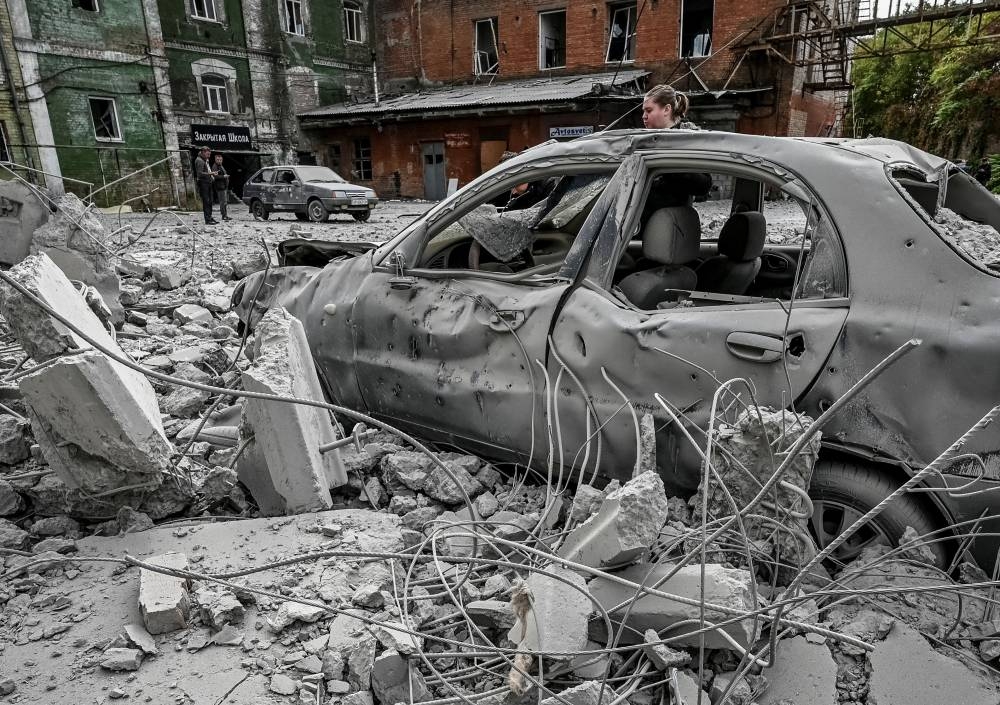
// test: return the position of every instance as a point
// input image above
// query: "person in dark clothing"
(221, 186)
(205, 178)
(984, 172)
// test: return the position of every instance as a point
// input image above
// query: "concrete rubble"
(349, 578)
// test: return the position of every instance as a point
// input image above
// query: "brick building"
(432, 47)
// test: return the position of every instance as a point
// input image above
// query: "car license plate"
(359, 201)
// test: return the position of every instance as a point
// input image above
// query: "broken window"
(263, 176)
(353, 23)
(293, 17)
(486, 59)
(621, 33)
(552, 39)
(88, 5)
(363, 159)
(4, 143)
(697, 19)
(215, 93)
(204, 10)
(105, 115)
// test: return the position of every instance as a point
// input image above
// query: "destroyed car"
(655, 267)
(310, 192)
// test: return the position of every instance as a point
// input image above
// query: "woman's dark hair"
(664, 95)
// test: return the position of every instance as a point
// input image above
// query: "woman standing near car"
(664, 108)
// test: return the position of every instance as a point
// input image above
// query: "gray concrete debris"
(14, 440)
(741, 694)
(345, 631)
(587, 693)
(687, 691)
(646, 462)
(118, 442)
(361, 661)
(586, 501)
(25, 212)
(728, 587)
(10, 501)
(121, 659)
(169, 278)
(660, 655)
(219, 606)
(358, 698)
(184, 402)
(417, 472)
(551, 613)
(393, 680)
(492, 614)
(913, 546)
(12, 536)
(397, 639)
(288, 436)
(163, 599)
(291, 612)
(7, 686)
(625, 526)
(56, 526)
(75, 239)
(186, 313)
(50, 496)
(907, 671)
(803, 674)
(282, 685)
(141, 639)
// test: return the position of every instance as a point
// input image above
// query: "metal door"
(435, 183)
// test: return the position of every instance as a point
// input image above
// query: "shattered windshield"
(319, 173)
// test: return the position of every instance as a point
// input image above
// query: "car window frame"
(266, 171)
(412, 242)
(600, 270)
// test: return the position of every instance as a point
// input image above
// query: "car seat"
(741, 243)
(671, 238)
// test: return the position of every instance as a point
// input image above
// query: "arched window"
(354, 26)
(215, 93)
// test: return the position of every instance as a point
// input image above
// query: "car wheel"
(362, 216)
(258, 210)
(844, 491)
(301, 216)
(316, 212)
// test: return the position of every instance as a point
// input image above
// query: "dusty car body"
(545, 361)
(310, 192)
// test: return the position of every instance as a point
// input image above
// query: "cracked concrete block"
(802, 673)
(24, 212)
(186, 313)
(14, 445)
(416, 471)
(586, 501)
(556, 620)
(728, 587)
(121, 659)
(42, 336)
(587, 693)
(361, 662)
(907, 671)
(688, 692)
(625, 526)
(163, 599)
(289, 435)
(10, 501)
(491, 614)
(97, 422)
(393, 680)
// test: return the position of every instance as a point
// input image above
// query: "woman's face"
(656, 116)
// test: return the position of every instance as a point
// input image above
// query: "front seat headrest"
(672, 235)
(742, 237)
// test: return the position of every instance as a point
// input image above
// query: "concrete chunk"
(163, 599)
(288, 436)
(803, 673)
(587, 693)
(121, 659)
(392, 680)
(727, 587)
(625, 526)
(556, 620)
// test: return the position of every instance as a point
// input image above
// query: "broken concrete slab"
(728, 587)
(393, 680)
(625, 526)
(163, 599)
(586, 501)
(687, 691)
(802, 673)
(22, 212)
(98, 423)
(907, 671)
(288, 436)
(12, 536)
(10, 501)
(419, 473)
(14, 439)
(187, 313)
(587, 693)
(551, 613)
(491, 614)
(290, 612)
(660, 655)
(121, 659)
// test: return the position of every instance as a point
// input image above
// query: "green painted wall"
(118, 25)
(184, 86)
(178, 26)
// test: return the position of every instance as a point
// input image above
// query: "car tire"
(362, 216)
(316, 212)
(259, 210)
(843, 491)
(301, 216)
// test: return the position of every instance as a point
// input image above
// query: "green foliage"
(994, 183)
(945, 99)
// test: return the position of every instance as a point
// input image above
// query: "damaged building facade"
(113, 86)
(463, 83)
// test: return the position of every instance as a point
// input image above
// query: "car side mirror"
(295, 182)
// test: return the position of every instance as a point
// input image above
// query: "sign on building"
(221, 137)
(575, 131)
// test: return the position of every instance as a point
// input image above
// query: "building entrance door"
(435, 183)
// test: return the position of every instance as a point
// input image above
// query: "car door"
(286, 191)
(623, 356)
(455, 353)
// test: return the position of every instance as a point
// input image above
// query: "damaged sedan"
(649, 268)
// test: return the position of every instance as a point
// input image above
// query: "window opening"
(697, 20)
(215, 93)
(353, 25)
(264, 177)
(88, 5)
(333, 157)
(363, 159)
(486, 59)
(104, 113)
(4, 143)
(293, 17)
(552, 39)
(203, 10)
(621, 34)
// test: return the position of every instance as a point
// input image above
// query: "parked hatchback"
(310, 192)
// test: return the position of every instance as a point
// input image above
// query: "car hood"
(340, 186)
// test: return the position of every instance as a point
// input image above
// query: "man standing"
(221, 186)
(205, 177)
(984, 172)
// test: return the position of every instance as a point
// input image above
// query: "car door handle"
(505, 320)
(755, 347)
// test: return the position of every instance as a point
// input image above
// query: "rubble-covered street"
(188, 535)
